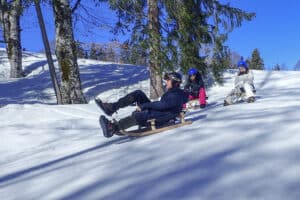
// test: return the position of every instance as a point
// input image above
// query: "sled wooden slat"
(148, 131)
(152, 123)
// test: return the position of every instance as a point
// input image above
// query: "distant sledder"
(195, 87)
(243, 86)
(162, 112)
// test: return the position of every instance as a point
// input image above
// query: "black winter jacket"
(169, 106)
(193, 87)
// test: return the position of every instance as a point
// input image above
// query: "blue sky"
(275, 31)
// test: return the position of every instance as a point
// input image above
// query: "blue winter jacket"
(169, 107)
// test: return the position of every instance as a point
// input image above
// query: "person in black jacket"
(195, 87)
(169, 107)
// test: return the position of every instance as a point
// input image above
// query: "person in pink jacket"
(195, 87)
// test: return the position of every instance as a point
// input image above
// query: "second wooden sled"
(153, 129)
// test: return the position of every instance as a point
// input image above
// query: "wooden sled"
(152, 129)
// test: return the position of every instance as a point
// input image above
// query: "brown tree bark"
(66, 54)
(156, 87)
(10, 19)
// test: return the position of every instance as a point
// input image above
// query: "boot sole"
(251, 100)
(103, 126)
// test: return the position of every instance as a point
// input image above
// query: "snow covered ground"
(48, 151)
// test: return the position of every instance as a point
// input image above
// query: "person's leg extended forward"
(110, 128)
(202, 97)
(136, 96)
(232, 97)
(249, 92)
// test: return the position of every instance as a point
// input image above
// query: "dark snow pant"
(140, 118)
(138, 97)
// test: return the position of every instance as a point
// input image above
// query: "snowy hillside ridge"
(4, 68)
(244, 151)
(36, 87)
(27, 59)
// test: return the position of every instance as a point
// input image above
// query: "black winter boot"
(225, 103)
(251, 99)
(202, 105)
(108, 127)
(108, 108)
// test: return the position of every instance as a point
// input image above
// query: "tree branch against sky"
(92, 22)
(76, 5)
(262, 32)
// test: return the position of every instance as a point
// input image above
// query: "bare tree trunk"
(48, 52)
(156, 88)
(66, 53)
(10, 19)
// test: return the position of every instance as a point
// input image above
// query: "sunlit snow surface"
(48, 151)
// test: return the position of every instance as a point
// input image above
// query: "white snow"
(48, 151)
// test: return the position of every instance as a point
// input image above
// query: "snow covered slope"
(245, 151)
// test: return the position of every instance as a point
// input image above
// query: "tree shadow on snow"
(100, 78)
(172, 184)
(7, 179)
(95, 79)
(186, 175)
(28, 90)
(30, 68)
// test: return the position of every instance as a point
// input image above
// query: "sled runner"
(152, 129)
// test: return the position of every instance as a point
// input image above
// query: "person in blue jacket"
(169, 107)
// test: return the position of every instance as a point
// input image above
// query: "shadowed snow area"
(243, 151)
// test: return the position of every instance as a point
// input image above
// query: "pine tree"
(276, 67)
(93, 52)
(256, 61)
(146, 38)
(124, 53)
(189, 30)
(297, 66)
(248, 62)
(203, 22)
(133, 54)
(220, 60)
(81, 53)
(177, 35)
(110, 54)
(156, 89)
